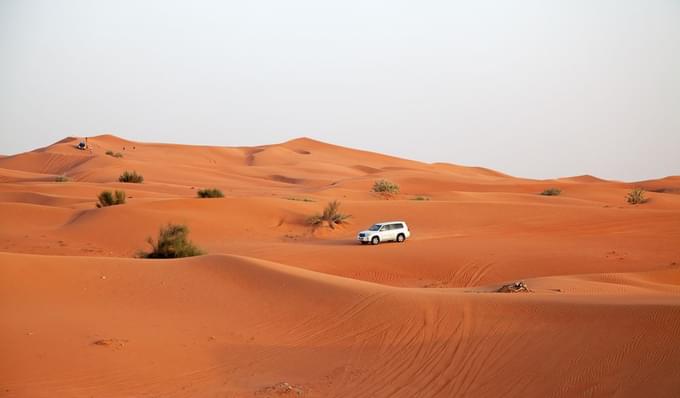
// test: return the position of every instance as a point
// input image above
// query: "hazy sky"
(533, 88)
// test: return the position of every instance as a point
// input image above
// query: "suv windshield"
(375, 227)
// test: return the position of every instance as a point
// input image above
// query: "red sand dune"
(278, 302)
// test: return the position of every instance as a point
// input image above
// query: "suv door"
(384, 233)
(391, 232)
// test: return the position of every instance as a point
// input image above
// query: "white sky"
(538, 88)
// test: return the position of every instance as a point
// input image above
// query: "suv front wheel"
(375, 240)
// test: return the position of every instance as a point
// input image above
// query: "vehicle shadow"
(349, 242)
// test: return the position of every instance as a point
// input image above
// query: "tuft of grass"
(172, 242)
(300, 199)
(106, 198)
(209, 193)
(61, 178)
(331, 215)
(386, 188)
(420, 197)
(131, 177)
(551, 192)
(636, 196)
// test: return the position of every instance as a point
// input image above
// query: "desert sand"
(278, 308)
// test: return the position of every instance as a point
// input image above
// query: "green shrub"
(61, 178)
(131, 177)
(210, 193)
(385, 187)
(172, 243)
(420, 197)
(636, 196)
(331, 215)
(106, 198)
(551, 192)
(109, 152)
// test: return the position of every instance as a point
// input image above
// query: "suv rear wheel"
(401, 238)
(375, 240)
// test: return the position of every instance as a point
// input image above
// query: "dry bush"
(636, 196)
(131, 177)
(172, 242)
(331, 215)
(210, 193)
(106, 198)
(386, 188)
(300, 199)
(551, 192)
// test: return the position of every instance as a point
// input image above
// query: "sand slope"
(276, 301)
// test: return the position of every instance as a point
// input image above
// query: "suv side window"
(397, 226)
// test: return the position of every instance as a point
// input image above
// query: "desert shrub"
(315, 220)
(106, 198)
(420, 197)
(119, 196)
(210, 193)
(61, 178)
(300, 199)
(115, 155)
(172, 242)
(636, 196)
(331, 215)
(517, 287)
(385, 187)
(551, 192)
(131, 177)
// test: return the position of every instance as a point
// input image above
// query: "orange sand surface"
(280, 309)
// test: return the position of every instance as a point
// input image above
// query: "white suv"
(383, 232)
